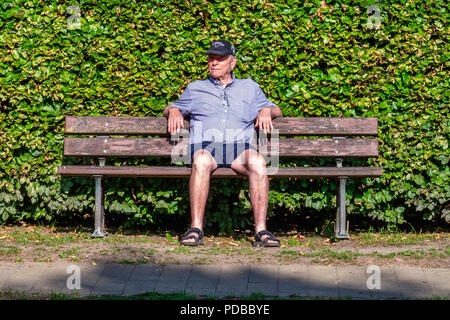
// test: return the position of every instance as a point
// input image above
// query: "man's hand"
(264, 120)
(175, 121)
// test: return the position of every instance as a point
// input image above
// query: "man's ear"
(233, 62)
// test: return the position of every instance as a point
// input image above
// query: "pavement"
(226, 280)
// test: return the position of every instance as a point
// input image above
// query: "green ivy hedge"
(312, 58)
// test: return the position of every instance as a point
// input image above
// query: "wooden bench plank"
(176, 171)
(158, 125)
(162, 147)
(117, 125)
(334, 148)
(317, 126)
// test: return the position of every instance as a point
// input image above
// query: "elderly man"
(223, 111)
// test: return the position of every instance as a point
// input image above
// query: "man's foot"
(192, 237)
(265, 238)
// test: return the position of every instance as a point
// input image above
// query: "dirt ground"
(27, 243)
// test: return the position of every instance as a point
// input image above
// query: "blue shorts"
(223, 153)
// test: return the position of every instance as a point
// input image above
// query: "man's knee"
(256, 164)
(203, 161)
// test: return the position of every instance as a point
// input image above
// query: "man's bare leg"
(202, 165)
(252, 164)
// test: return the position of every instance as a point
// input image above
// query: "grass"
(139, 260)
(8, 250)
(22, 295)
(37, 237)
(415, 254)
(396, 238)
(345, 255)
(70, 253)
(321, 254)
(328, 255)
(41, 243)
(181, 249)
(293, 242)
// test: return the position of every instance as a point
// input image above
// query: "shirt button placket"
(224, 104)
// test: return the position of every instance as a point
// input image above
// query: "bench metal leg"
(340, 230)
(99, 227)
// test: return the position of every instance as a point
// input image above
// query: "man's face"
(220, 66)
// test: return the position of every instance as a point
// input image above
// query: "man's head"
(221, 58)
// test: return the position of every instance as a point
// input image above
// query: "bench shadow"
(201, 282)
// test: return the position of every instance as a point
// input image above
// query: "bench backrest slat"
(99, 125)
(117, 125)
(327, 126)
(162, 147)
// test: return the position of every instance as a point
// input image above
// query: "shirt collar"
(218, 83)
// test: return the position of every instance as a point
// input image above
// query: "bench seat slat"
(315, 126)
(162, 147)
(161, 171)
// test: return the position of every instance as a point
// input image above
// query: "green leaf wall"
(312, 58)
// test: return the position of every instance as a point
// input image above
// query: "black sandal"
(198, 238)
(265, 243)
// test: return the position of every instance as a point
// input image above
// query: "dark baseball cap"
(221, 48)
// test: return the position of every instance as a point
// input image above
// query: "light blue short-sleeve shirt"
(222, 114)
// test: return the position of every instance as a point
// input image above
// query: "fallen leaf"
(301, 253)
(300, 236)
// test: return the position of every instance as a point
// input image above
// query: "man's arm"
(175, 120)
(265, 116)
(276, 112)
(166, 111)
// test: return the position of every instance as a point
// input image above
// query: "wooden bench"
(336, 138)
